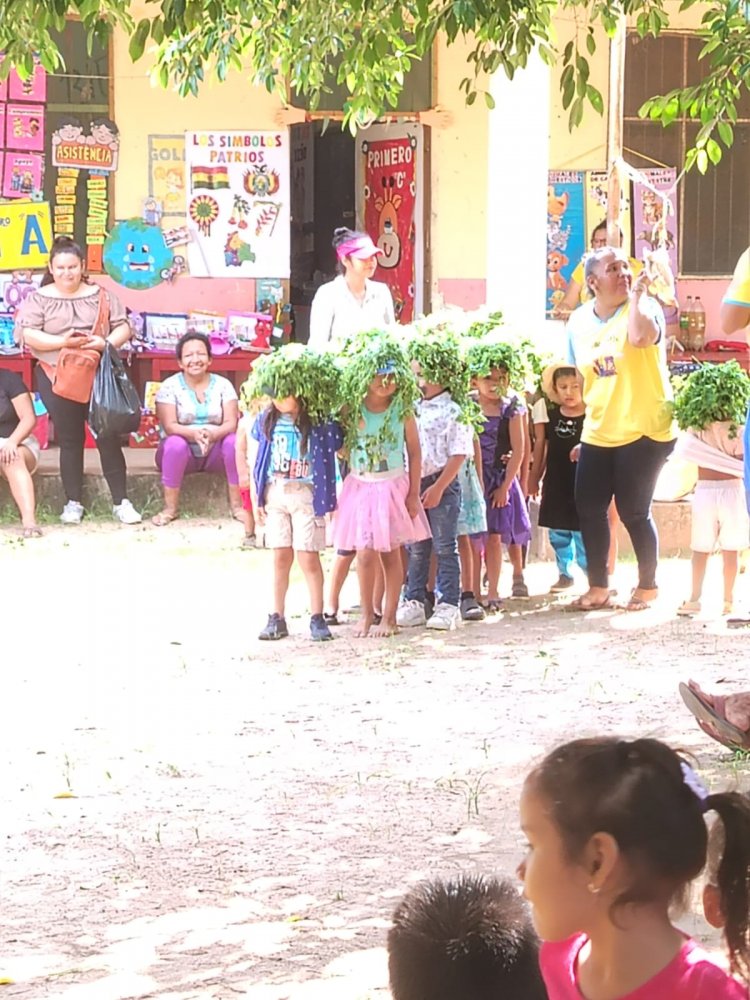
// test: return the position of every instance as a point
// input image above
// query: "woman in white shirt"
(352, 302)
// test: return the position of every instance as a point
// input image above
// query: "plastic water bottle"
(685, 314)
(699, 325)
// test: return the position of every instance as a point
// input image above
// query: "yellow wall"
(141, 108)
(459, 151)
(459, 173)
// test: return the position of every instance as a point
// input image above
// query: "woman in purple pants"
(198, 413)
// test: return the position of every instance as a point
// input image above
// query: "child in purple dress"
(502, 444)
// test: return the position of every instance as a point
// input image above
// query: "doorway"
(323, 198)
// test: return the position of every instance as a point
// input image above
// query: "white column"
(516, 199)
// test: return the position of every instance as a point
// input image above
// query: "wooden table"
(21, 363)
(714, 357)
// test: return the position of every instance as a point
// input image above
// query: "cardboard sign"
(98, 151)
(25, 235)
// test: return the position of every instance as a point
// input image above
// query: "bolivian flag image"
(211, 178)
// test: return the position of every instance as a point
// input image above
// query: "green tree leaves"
(370, 45)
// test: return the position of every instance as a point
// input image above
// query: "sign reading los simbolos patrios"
(238, 197)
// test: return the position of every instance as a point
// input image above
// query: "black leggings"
(69, 419)
(628, 473)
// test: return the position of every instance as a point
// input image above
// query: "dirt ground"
(189, 813)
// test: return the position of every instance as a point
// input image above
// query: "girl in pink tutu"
(379, 509)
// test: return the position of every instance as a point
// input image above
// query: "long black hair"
(643, 794)
(302, 422)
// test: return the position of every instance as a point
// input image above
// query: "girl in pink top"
(616, 833)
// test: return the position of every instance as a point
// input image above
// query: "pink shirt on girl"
(691, 975)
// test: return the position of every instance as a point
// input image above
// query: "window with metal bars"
(714, 209)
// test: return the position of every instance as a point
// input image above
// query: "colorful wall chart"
(390, 199)
(238, 202)
(22, 119)
(566, 228)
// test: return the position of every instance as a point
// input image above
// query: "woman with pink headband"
(352, 302)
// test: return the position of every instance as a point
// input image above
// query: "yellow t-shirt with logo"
(738, 293)
(578, 275)
(626, 389)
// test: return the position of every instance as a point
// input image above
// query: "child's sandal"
(688, 608)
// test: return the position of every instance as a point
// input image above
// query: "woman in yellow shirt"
(616, 340)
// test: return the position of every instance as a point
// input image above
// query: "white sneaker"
(72, 512)
(410, 614)
(445, 617)
(126, 513)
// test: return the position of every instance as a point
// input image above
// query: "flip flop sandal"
(35, 532)
(718, 727)
(162, 519)
(580, 605)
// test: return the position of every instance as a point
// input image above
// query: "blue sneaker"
(275, 628)
(319, 631)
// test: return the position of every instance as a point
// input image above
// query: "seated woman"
(19, 449)
(198, 413)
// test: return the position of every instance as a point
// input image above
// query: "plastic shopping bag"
(115, 406)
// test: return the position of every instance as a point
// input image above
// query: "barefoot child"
(616, 833)
(445, 437)
(555, 468)
(492, 363)
(293, 447)
(379, 509)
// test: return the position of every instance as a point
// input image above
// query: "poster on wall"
(27, 235)
(98, 149)
(22, 174)
(566, 231)
(33, 89)
(24, 127)
(166, 173)
(238, 204)
(390, 194)
(650, 220)
(596, 206)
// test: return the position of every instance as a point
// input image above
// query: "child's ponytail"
(733, 876)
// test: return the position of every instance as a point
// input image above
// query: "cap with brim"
(362, 248)
(388, 368)
(548, 379)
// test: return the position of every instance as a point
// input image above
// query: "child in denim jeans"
(446, 442)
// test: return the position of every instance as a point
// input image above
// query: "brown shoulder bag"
(76, 366)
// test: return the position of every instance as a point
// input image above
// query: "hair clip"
(694, 783)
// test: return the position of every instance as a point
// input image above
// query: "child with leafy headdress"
(710, 406)
(291, 448)
(493, 363)
(446, 433)
(379, 508)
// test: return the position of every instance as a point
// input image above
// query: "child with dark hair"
(292, 453)
(555, 468)
(466, 939)
(616, 833)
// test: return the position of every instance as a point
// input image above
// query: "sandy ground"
(239, 818)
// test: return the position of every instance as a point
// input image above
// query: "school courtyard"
(191, 814)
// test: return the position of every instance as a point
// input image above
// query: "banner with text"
(238, 201)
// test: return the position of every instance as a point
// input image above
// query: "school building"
(457, 197)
